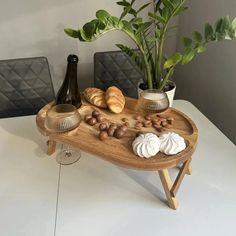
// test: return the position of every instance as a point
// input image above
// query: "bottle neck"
(71, 72)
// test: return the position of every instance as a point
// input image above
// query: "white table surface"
(97, 198)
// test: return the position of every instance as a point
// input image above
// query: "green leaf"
(127, 26)
(102, 15)
(220, 36)
(136, 20)
(187, 42)
(89, 29)
(143, 27)
(72, 33)
(188, 56)
(143, 7)
(234, 23)
(226, 23)
(197, 36)
(82, 36)
(101, 25)
(132, 2)
(165, 13)
(209, 33)
(125, 12)
(173, 60)
(201, 49)
(219, 26)
(114, 22)
(132, 12)
(230, 34)
(156, 17)
(125, 4)
(133, 54)
(168, 4)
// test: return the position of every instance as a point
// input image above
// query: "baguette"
(95, 96)
(115, 99)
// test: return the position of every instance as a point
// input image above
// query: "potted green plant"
(149, 36)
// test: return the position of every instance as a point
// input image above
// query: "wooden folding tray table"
(119, 151)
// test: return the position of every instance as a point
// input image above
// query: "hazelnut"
(148, 117)
(127, 124)
(138, 118)
(119, 133)
(99, 118)
(163, 123)
(124, 119)
(140, 124)
(170, 120)
(157, 126)
(95, 113)
(162, 119)
(87, 117)
(103, 126)
(156, 122)
(103, 135)
(124, 128)
(113, 126)
(111, 131)
(92, 121)
(147, 123)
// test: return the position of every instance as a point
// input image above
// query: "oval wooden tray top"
(119, 151)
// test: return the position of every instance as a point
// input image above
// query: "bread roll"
(115, 99)
(95, 96)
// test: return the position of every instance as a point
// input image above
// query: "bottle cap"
(72, 58)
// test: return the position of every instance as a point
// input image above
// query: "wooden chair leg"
(51, 147)
(167, 185)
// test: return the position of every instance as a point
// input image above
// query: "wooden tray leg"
(167, 185)
(51, 147)
(189, 169)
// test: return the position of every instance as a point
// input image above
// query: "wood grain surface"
(119, 151)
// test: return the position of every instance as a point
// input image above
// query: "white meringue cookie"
(146, 145)
(171, 143)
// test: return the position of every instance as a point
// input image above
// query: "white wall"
(31, 28)
(209, 81)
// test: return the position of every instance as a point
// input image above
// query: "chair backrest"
(116, 68)
(25, 86)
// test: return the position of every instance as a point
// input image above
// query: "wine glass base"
(68, 157)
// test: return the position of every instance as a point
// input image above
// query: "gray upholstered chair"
(116, 68)
(25, 86)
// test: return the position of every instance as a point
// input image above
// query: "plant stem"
(159, 81)
(167, 76)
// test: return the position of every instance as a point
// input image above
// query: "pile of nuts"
(160, 123)
(106, 128)
(94, 118)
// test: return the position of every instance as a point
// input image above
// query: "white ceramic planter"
(170, 94)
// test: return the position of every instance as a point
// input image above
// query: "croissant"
(95, 96)
(115, 99)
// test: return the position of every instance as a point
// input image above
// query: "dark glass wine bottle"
(69, 91)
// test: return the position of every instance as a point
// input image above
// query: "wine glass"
(153, 101)
(63, 118)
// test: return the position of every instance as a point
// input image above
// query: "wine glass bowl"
(62, 118)
(153, 101)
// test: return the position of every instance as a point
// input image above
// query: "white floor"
(97, 198)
